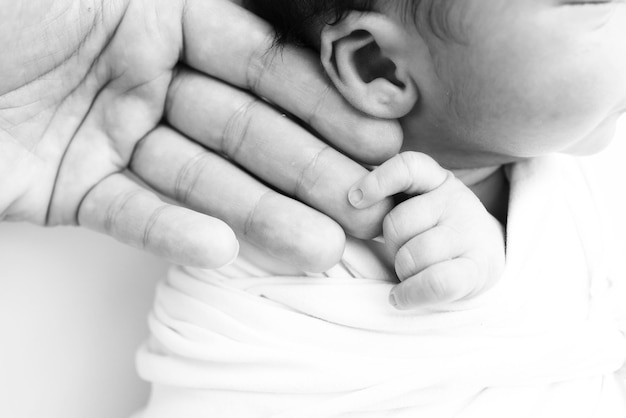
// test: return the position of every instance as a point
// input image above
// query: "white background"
(73, 308)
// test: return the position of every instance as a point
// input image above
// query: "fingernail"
(392, 300)
(355, 197)
(379, 239)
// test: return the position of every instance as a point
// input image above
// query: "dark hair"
(295, 20)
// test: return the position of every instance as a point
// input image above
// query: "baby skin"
(444, 243)
(476, 85)
(485, 91)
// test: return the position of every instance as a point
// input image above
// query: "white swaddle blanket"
(546, 342)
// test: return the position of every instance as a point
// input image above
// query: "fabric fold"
(244, 342)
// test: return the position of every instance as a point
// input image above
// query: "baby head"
(475, 83)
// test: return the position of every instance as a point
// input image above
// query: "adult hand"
(97, 112)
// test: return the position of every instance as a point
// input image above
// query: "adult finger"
(206, 182)
(439, 284)
(231, 44)
(408, 172)
(119, 207)
(272, 147)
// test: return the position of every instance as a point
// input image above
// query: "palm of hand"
(121, 98)
(81, 112)
(102, 94)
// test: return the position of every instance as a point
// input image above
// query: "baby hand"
(446, 246)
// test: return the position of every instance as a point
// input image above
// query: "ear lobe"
(364, 57)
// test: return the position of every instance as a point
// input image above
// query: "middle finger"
(272, 147)
(199, 179)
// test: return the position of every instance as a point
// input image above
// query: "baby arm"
(446, 245)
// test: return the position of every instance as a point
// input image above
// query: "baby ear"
(366, 57)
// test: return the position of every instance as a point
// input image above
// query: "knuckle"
(236, 129)
(378, 183)
(407, 165)
(188, 177)
(405, 263)
(153, 221)
(436, 286)
(390, 228)
(250, 222)
(408, 157)
(116, 210)
(411, 159)
(310, 175)
(260, 65)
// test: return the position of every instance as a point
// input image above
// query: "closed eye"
(593, 3)
(589, 3)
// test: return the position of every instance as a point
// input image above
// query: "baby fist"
(446, 245)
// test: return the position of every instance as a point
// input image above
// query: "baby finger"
(439, 284)
(408, 172)
(434, 246)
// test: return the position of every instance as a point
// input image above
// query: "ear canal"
(372, 64)
(368, 59)
(365, 72)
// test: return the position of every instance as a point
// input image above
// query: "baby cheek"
(504, 119)
(529, 103)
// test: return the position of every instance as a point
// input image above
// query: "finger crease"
(188, 177)
(307, 178)
(247, 226)
(408, 176)
(259, 64)
(391, 221)
(236, 130)
(151, 223)
(117, 207)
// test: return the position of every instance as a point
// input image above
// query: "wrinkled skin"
(105, 104)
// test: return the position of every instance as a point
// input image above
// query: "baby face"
(522, 78)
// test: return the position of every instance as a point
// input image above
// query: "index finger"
(120, 208)
(408, 172)
(231, 44)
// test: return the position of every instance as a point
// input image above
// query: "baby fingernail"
(392, 300)
(355, 197)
